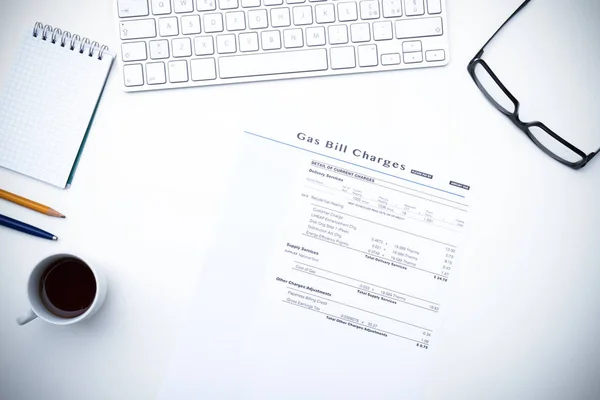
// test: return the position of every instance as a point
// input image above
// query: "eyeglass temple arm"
(593, 155)
(480, 53)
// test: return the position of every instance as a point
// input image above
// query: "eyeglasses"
(497, 94)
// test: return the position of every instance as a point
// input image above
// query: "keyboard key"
(160, 7)
(295, 1)
(213, 22)
(203, 45)
(325, 13)
(168, 26)
(271, 40)
(206, 5)
(347, 11)
(134, 51)
(390, 59)
(190, 24)
(303, 15)
(133, 75)
(178, 71)
(257, 19)
(412, 58)
(338, 34)
(367, 55)
(248, 41)
(132, 8)
(228, 4)
(226, 44)
(435, 55)
(409, 47)
(392, 8)
(182, 47)
(420, 27)
(183, 6)
(250, 3)
(155, 73)
(315, 36)
(292, 38)
(434, 6)
(159, 49)
(342, 57)
(203, 69)
(273, 63)
(272, 2)
(236, 21)
(142, 28)
(360, 32)
(382, 30)
(280, 17)
(414, 7)
(369, 9)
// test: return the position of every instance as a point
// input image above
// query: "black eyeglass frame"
(514, 116)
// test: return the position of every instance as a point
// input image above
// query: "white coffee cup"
(39, 309)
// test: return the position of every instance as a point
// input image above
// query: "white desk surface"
(523, 322)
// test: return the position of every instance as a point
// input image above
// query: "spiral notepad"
(48, 102)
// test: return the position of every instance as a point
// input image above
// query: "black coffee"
(68, 287)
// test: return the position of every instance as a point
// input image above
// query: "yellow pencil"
(22, 201)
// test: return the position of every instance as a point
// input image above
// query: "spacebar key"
(284, 62)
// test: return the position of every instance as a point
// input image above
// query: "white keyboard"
(183, 43)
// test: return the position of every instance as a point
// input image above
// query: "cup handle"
(30, 316)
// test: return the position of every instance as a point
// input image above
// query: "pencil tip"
(54, 238)
(62, 216)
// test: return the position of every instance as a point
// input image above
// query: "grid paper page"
(46, 106)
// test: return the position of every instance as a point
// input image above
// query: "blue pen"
(25, 228)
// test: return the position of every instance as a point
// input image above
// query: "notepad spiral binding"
(74, 41)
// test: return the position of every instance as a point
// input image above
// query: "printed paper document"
(327, 276)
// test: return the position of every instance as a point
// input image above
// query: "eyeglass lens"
(495, 92)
